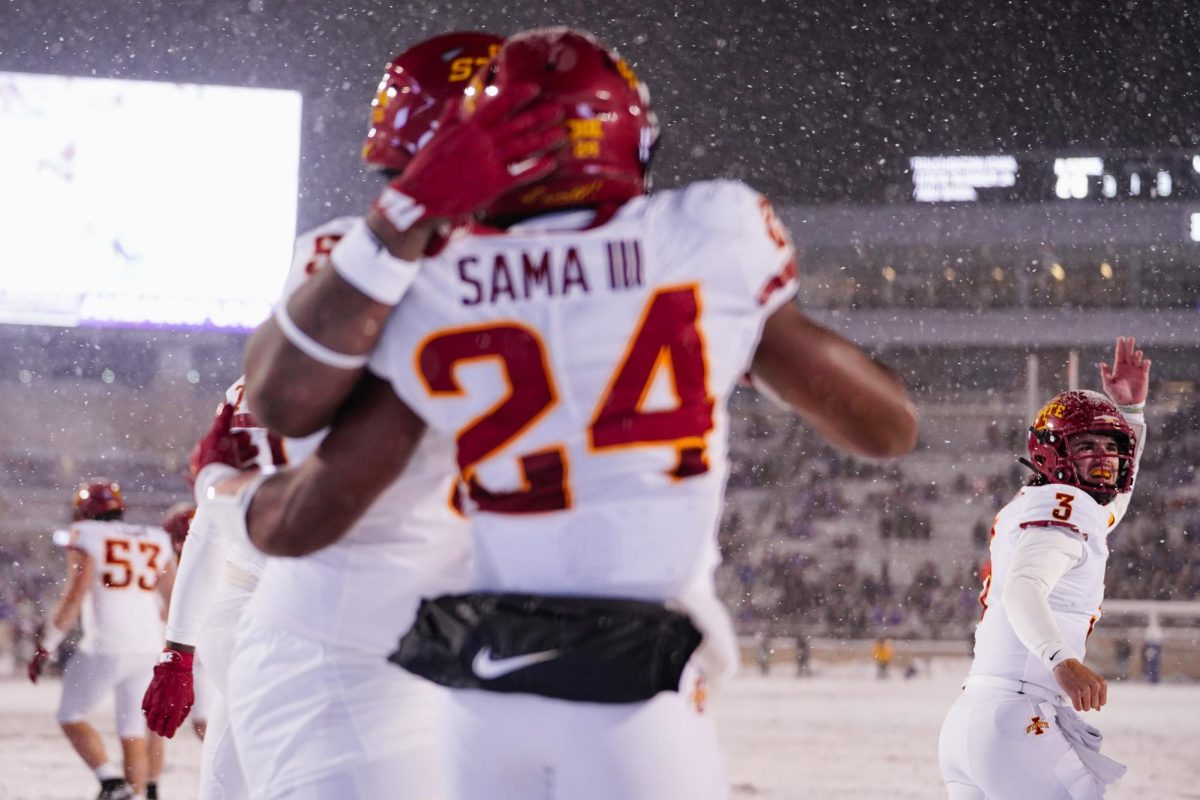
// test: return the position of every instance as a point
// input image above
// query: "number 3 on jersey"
(1063, 510)
(667, 338)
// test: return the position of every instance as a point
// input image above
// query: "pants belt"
(1020, 687)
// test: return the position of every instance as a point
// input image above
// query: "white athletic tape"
(399, 209)
(367, 265)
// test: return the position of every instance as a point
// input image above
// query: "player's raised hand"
(1128, 380)
(170, 695)
(222, 445)
(1086, 689)
(507, 140)
(34, 668)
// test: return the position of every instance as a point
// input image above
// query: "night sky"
(818, 101)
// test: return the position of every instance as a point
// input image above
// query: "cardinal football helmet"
(414, 88)
(611, 128)
(1069, 414)
(177, 522)
(98, 498)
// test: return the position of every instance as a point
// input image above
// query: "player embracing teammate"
(515, 291)
(307, 705)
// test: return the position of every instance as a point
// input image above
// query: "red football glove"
(34, 669)
(507, 142)
(170, 695)
(221, 445)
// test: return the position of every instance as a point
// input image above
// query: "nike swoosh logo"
(1056, 652)
(487, 668)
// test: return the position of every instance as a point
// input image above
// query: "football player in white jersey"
(178, 522)
(118, 578)
(311, 648)
(1013, 734)
(580, 345)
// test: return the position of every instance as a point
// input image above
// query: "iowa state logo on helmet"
(1053, 409)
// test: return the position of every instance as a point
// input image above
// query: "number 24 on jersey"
(667, 337)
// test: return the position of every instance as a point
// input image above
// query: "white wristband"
(310, 346)
(366, 264)
(1136, 408)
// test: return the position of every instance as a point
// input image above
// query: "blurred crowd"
(810, 536)
(820, 566)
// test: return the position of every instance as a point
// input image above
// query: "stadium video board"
(135, 203)
(1038, 177)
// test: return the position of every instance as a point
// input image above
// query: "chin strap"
(1026, 462)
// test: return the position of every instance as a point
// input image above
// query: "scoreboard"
(1042, 177)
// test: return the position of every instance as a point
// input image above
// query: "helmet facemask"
(1076, 469)
(1060, 424)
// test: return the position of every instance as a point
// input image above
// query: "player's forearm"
(291, 392)
(284, 519)
(302, 509)
(67, 611)
(853, 401)
(1041, 559)
(303, 363)
(64, 615)
(61, 621)
(195, 581)
(1033, 622)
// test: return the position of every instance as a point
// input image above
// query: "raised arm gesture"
(1128, 380)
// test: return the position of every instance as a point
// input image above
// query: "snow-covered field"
(834, 736)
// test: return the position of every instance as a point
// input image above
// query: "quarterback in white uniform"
(582, 362)
(307, 705)
(118, 576)
(1013, 734)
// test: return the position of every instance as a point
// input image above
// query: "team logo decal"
(1049, 411)
(1037, 726)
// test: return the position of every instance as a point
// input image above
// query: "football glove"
(222, 445)
(470, 162)
(34, 668)
(170, 695)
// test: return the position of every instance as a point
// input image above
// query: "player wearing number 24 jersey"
(578, 340)
(1013, 732)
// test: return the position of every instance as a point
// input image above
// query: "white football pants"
(997, 745)
(524, 747)
(316, 722)
(221, 776)
(90, 676)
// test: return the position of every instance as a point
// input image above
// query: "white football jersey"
(123, 610)
(1051, 510)
(584, 375)
(363, 590)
